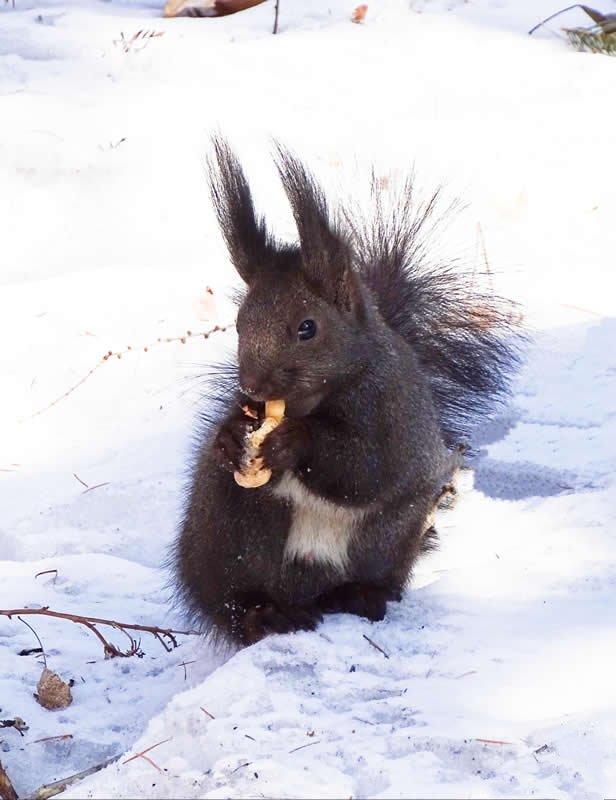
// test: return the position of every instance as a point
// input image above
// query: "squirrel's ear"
(326, 257)
(245, 234)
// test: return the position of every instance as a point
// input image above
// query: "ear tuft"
(326, 257)
(248, 242)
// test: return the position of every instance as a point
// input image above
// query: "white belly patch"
(320, 529)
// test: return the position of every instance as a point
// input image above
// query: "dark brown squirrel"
(385, 363)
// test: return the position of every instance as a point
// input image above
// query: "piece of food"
(254, 474)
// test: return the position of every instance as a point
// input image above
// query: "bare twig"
(142, 754)
(137, 41)
(60, 738)
(52, 789)
(185, 664)
(247, 764)
(547, 19)
(301, 747)
(205, 711)
(27, 624)
(374, 644)
(492, 741)
(7, 790)
(47, 572)
(596, 16)
(118, 354)
(166, 636)
(96, 486)
(276, 17)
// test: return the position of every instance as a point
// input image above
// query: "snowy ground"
(107, 240)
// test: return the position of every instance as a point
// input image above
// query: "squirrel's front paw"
(286, 446)
(230, 443)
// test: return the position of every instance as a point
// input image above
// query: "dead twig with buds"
(166, 636)
(119, 353)
(138, 41)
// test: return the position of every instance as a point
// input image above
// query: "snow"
(508, 633)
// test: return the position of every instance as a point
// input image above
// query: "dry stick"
(118, 354)
(91, 622)
(301, 747)
(27, 624)
(247, 764)
(492, 741)
(52, 789)
(205, 711)
(276, 18)
(142, 754)
(547, 19)
(7, 790)
(60, 738)
(96, 486)
(47, 572)
(375, 645)
(185, 664)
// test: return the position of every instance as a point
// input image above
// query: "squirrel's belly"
(320, 530)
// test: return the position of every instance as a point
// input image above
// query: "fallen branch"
(492, 741)
(52, 789)
(7, 790)
(118, 354)
(375, 645)
(142, 754)
(36, 636)
(166, 636)
(302, 746)
(60, 738)
(606, 22)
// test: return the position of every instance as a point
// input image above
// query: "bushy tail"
(468, 341)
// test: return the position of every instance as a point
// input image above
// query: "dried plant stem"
(7, 790)
(556, 14)
(119, 353)
(27, 624)
(142, 754)
(52, 789)
(375, 645)
(166, 636)
(276, 17)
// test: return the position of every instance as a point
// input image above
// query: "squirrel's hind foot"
(361, 599)
(262, 620)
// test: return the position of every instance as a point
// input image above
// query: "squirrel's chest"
(320, 530)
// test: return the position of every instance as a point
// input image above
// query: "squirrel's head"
(302, 320)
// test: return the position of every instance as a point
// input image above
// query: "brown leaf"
(52, 691)
(359, 15)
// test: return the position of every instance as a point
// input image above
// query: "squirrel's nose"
(254, 383)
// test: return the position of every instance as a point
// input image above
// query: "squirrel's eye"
(306, 330)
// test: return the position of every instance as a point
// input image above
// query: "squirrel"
(385, 363)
